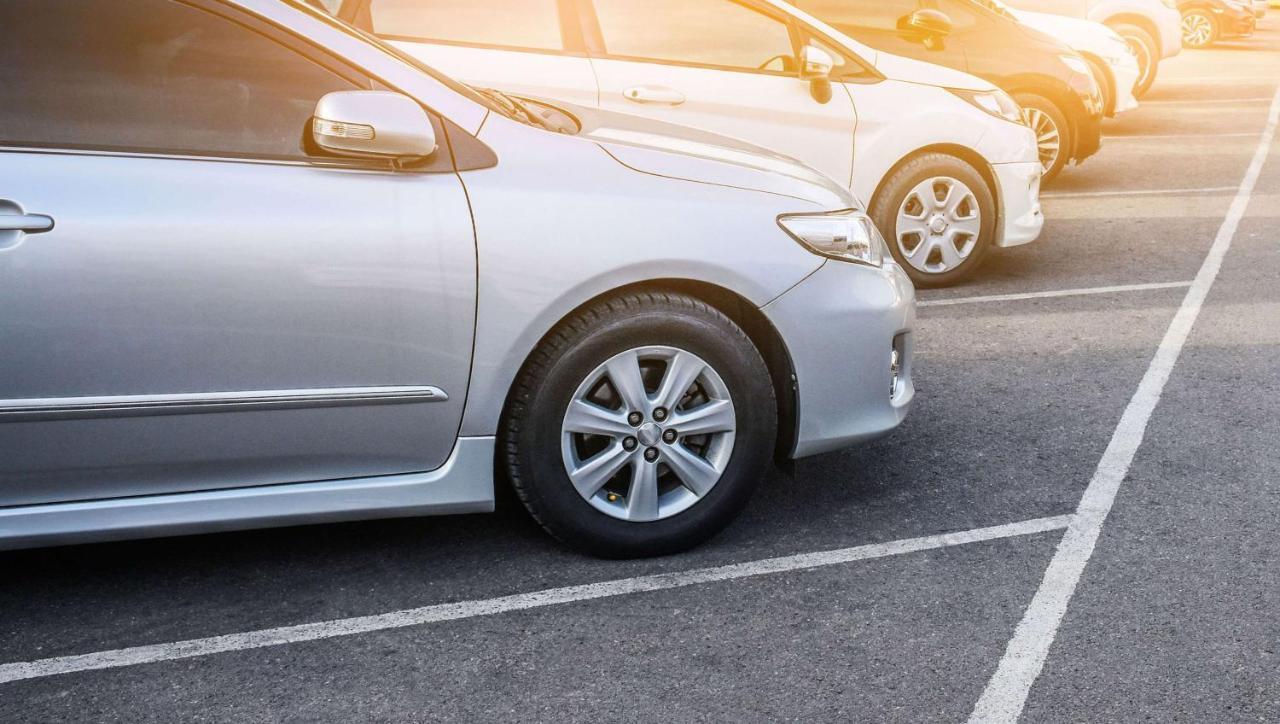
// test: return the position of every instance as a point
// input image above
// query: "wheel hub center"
(938, 225)
(649, 434)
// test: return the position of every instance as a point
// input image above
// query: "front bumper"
(1125, 77)
(1237, 23)
(840, 326)
(1018, 185)
(1169, 25)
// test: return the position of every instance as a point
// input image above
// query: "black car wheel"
(1145, 49)
(640, 426)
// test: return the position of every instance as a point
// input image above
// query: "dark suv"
(1053, 83)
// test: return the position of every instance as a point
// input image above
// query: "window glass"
(878, 15)
(963, 14)
(507, 23)
(701, 32)
(151, 75)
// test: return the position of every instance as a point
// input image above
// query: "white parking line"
(1203, 101)
(1136, 192)
(1175, 136)
(521, 601)
(1006, 693)
(1052, 293)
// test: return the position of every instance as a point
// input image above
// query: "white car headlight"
(847, 235)
(1077, 64)
(996, 102)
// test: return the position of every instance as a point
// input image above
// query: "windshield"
(324, 9)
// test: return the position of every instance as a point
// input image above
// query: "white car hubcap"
(938, 225)
(648, 433)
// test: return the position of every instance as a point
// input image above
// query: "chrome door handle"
(15, 224)
(26, 223)
(654, 94)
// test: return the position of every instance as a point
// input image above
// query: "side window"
(152, 76)
(528, 24)
(845, 15)
(717, 33)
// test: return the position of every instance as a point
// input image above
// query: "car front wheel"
(1199, 29)
(939, 218)
(1144, 48)
(1053, 134)
(640, 427)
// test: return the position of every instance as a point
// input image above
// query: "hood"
(1079, 34)
(909, 70)
(675, 151)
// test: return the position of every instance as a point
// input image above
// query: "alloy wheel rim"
(1048, 136)
(648, 433)
(939, 222)
(1196, 29)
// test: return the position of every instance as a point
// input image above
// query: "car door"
(191, 299)
(722, 66)
(880, 25)
(532, 48)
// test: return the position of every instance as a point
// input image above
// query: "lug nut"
(628, 443)
(668, 436)
(660, 414)
(651, 454)
(634, 419)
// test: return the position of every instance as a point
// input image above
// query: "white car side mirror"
(373, 124)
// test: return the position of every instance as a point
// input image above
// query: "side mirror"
(815, 66)
(932, 26)
(378, 124)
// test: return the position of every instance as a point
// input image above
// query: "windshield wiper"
(517, 109)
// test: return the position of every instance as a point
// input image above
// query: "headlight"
(847, 235)
(996, 102)
(1077, 64)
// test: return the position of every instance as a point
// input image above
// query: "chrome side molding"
(79, 408)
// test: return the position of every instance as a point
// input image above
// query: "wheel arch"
(1099, 65)
(741, 311)
(968, 155)
(1142, 22)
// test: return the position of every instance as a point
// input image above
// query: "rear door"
(210, 305)
(532, 48)
(722, 66)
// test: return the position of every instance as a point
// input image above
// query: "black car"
(1204, 22)
(1053, 83)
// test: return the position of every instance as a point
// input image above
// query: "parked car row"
(285, 261)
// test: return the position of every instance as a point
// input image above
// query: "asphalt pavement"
(1174, 616)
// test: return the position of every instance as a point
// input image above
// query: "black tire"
(1207, 17)
(1106, 84)
(893, 193)
(1148, 52)
(530, 433)
(1066, 139)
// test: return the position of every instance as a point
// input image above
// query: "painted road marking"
(1052, 293)
(135, 655)
(1006, 693)
(1138, 192)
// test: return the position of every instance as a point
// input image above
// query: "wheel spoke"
(951, 257)
(920, 254)
(624, 373)
(714, 416)
(682, 370)
(970, 226)
(591, 475)
(642, 498)
(697, 474)
(591, 419)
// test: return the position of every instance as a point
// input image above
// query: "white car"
(944, 159)
(1152, 28)
(1114, 64)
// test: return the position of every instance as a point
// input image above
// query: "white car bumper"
(1019, 187)
(1125, 76)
